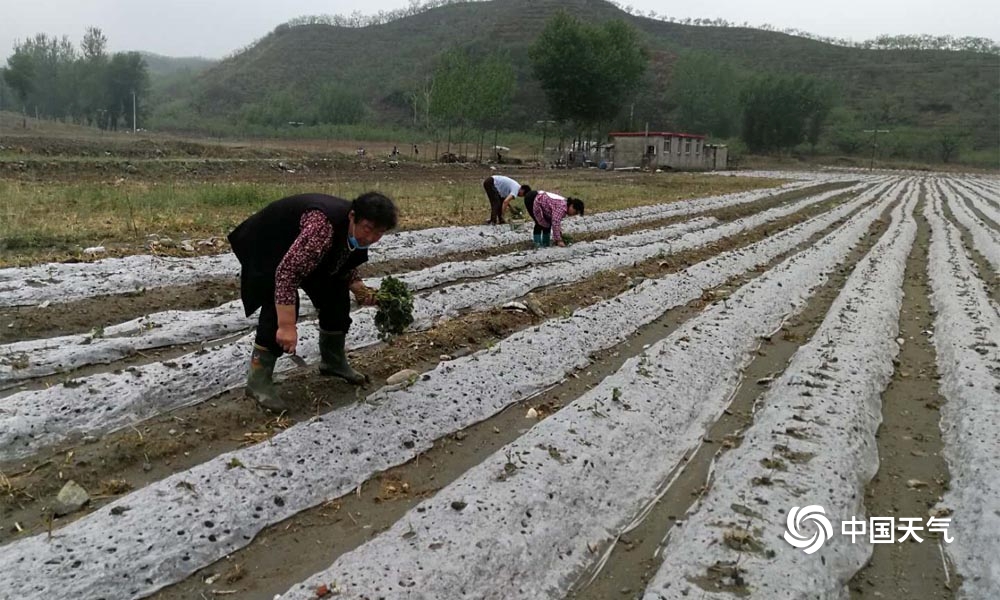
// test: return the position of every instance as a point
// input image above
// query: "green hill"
(915, 89)
(163, 66)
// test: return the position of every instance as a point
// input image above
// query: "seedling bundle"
(395, 308)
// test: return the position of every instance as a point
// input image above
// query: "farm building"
(666, 150)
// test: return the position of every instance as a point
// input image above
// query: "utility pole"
(133, 111)
(874, 133)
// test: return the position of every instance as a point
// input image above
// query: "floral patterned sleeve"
(315, 239)
(558, 212)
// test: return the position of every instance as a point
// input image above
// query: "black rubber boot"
(334, 358)
(260, 384)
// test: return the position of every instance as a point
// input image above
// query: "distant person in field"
(314, 242)
(547, 210)
(500, 191)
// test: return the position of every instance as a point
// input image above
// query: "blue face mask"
(352, 242)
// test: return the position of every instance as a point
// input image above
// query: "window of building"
(666, 145)
(687, 146)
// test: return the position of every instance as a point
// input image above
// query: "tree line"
(52, 78)
(981, 45)
(768, 111)
(589, 75)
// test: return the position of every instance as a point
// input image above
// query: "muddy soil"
(190, 436)
(638, 554)
(108, 157)
(986, 272)
(912, 474)
(345, 523)
(29, 322)
(318, 536)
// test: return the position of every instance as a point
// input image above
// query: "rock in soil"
(71, 498)
(515, 306)
(402, 377)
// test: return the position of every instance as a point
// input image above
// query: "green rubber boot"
(334, 358)
(537, 240)
(260, 385)
(546, 239)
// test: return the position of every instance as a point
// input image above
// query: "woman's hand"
(561, 244)
(287, 337)
(364, 295)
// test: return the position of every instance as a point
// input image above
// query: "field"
(633, 416)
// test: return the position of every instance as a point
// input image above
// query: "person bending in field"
(500, 191)
(314, 242)
(547, 210)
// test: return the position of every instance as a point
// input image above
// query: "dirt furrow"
(36, 420)
(352, 520)
(912, 473)
(966, 330)
(22, 323)
(988, 272)
(30, 359)
(638, 553)
(188, 436)
(979, 201)
(543, 509)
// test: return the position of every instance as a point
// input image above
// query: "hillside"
(925, 88)
(162, 66)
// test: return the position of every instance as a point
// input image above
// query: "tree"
(20, 75)
(705, 88)
(820, 101)
(276, 110)
(419, 99)
(493, 83)
(492, 86)
(127, 75)
(53, 80)
(451, 94)
(93, 75)
(588, 72)
(94, 45)
(782, 111)
(39, 72)
(846, 133)
(339, 106)
(468, 90)
(947, 144)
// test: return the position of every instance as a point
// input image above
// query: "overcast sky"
(214, 28)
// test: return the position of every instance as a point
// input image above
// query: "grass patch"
(54, 221)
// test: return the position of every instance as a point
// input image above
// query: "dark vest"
(261, 242)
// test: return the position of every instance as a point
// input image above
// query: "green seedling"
(395, 308)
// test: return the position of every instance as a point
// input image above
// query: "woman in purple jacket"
(547, 210)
